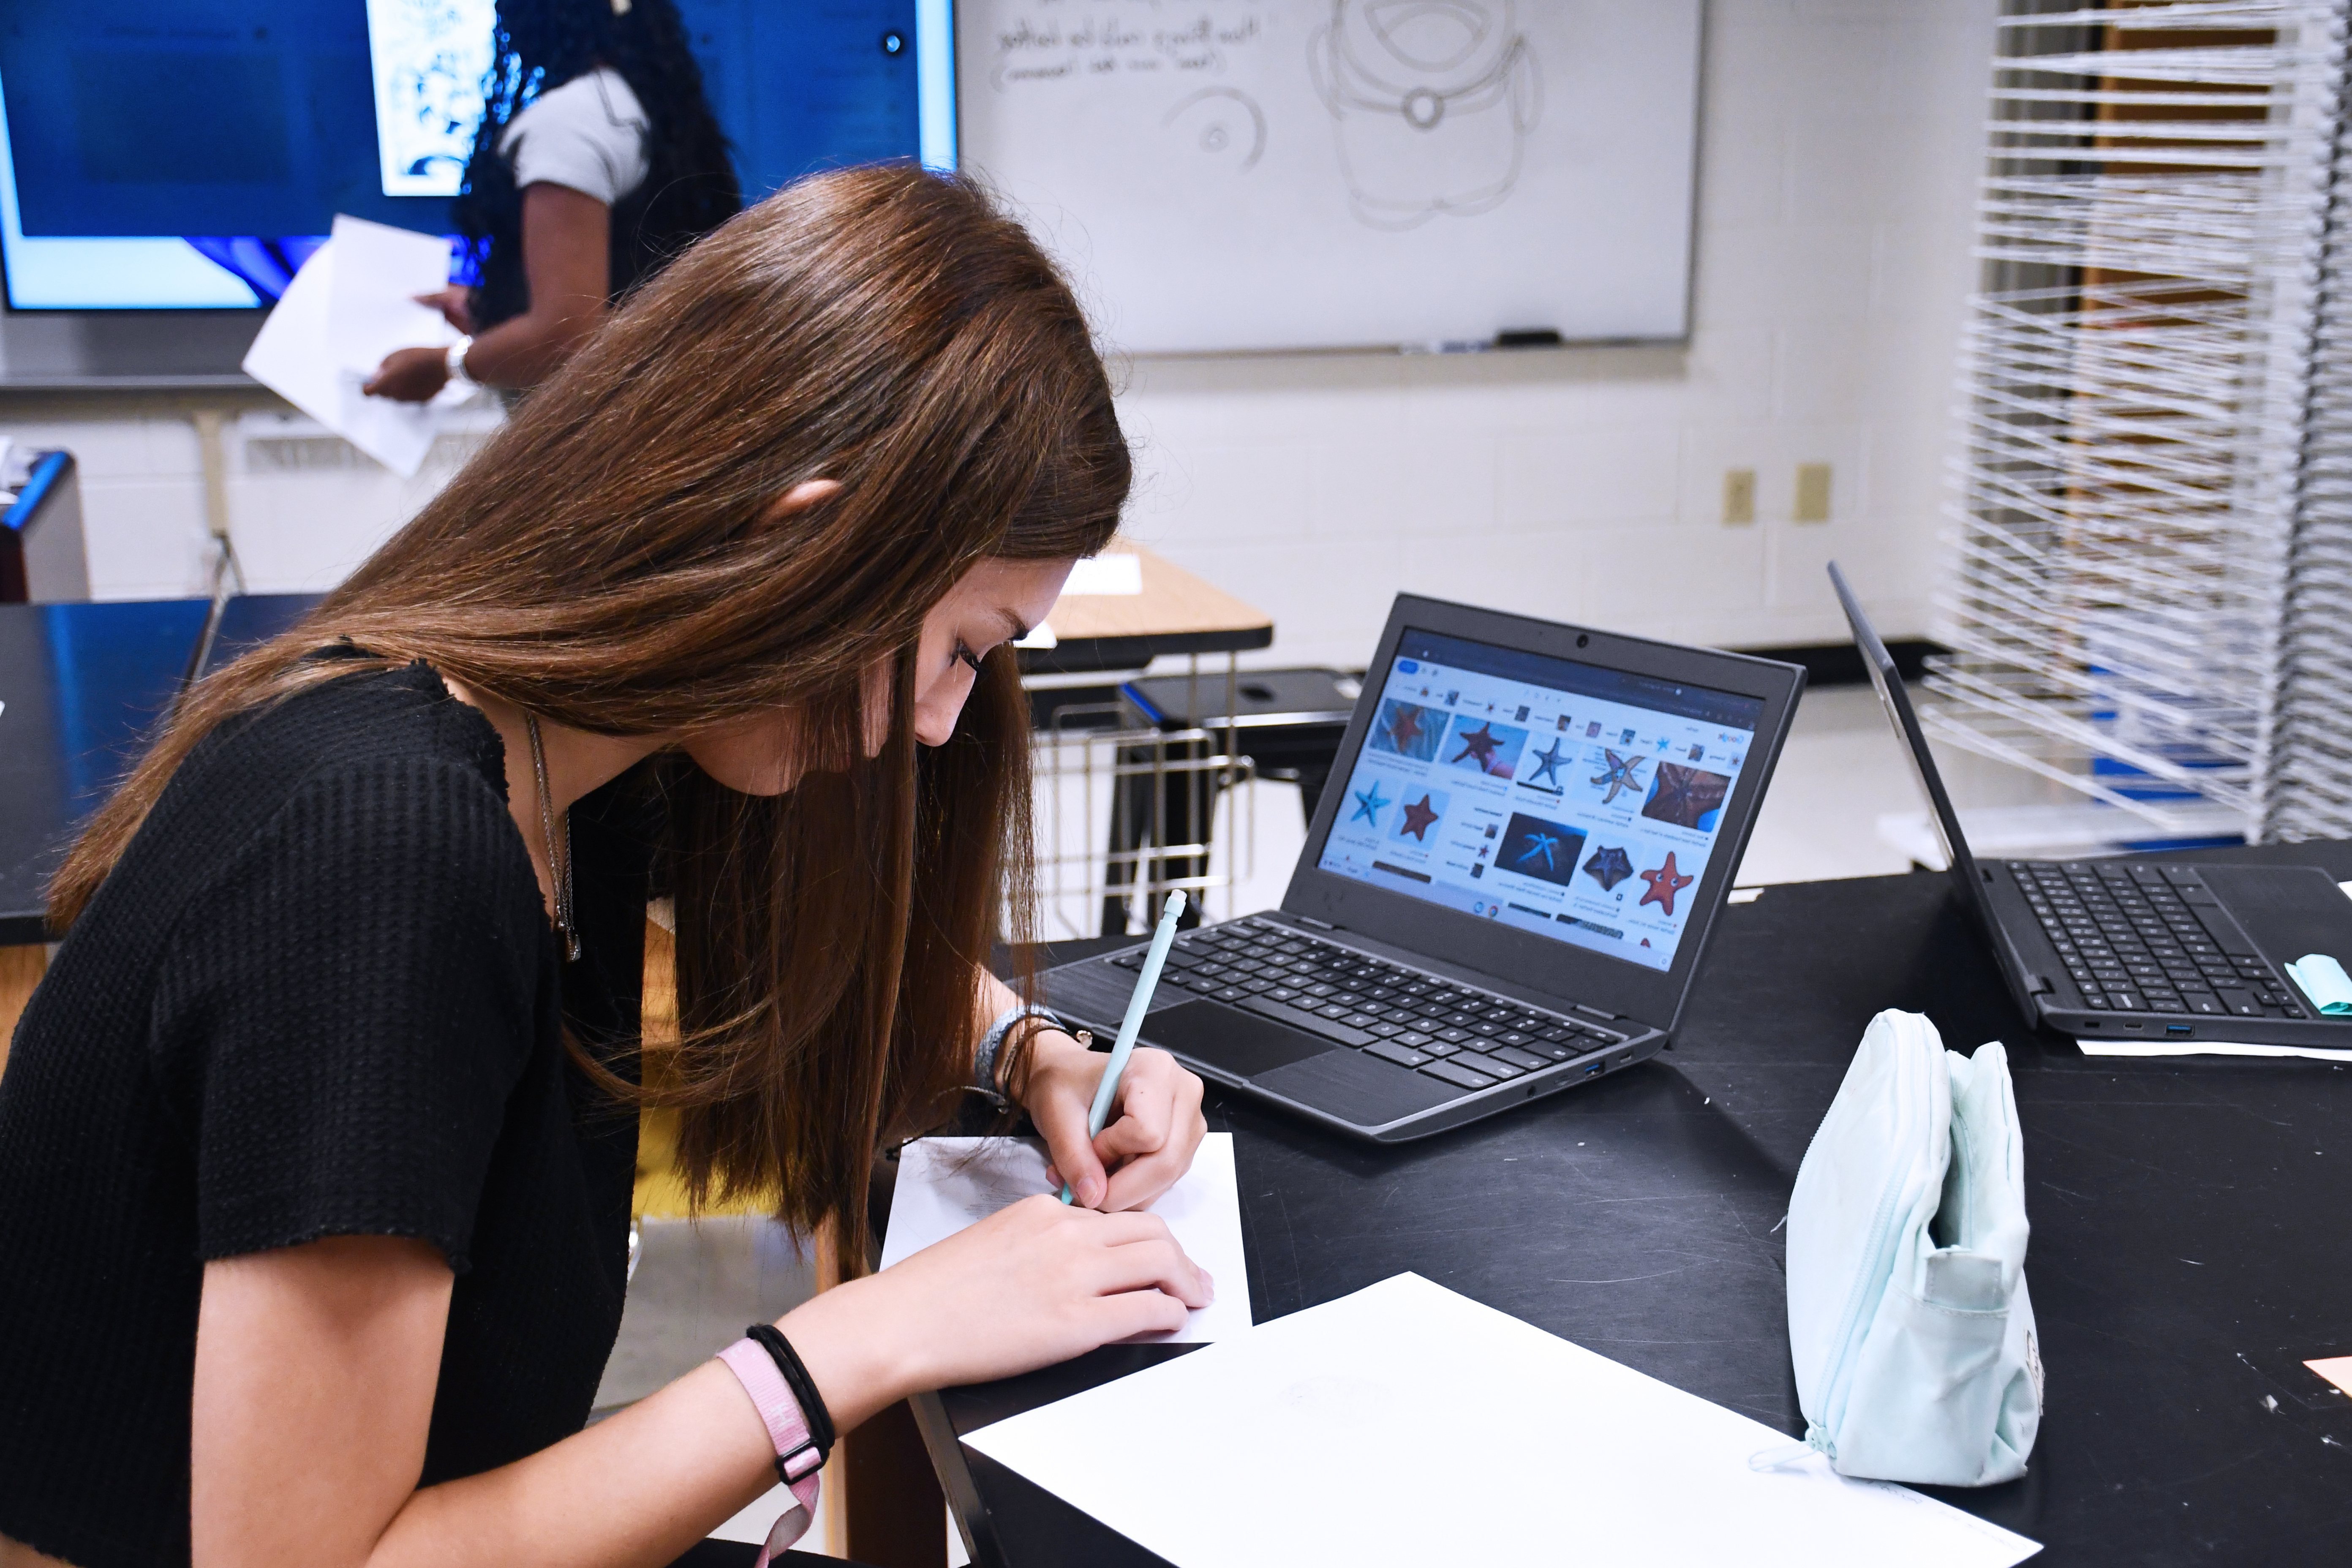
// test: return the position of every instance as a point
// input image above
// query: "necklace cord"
(559, 852)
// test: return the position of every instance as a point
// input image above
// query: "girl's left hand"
(1156, 1123)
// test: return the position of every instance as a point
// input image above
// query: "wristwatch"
(455, 361)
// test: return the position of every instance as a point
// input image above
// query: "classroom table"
(2192, 1240)
(1176, 613)
(82, 687)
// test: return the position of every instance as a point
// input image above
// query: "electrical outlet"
(1812, 502)
(1738, 496)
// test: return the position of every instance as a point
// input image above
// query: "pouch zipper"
(1841, 1385)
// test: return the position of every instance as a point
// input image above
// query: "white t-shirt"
(588, 135)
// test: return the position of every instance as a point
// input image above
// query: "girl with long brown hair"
(316, 1144)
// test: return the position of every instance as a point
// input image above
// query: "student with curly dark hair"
(598, 159)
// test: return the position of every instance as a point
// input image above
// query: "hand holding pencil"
(1119, 1130)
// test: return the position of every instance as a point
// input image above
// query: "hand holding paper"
(328, 334)
(374, 307)
(948, 1185)
(1033, 1283)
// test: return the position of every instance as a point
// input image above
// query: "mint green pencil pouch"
(1908, 1318)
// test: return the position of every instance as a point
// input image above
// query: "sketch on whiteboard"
(1224, 122)
(429, 57)
(1432, 102)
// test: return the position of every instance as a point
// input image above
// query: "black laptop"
(2134, 949)
(1506, 897)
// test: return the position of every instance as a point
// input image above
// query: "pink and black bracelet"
(798, 1423)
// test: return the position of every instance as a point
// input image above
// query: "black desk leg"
(979, 1530)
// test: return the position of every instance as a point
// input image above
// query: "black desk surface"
(2192, 1239)
(83, 687)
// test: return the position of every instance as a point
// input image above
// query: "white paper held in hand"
(1408, 1424)
(372, 309)
(292, 356)
(947, 1183)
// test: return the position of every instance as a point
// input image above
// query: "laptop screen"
(1558, 798)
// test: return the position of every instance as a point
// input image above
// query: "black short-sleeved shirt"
(317, 997)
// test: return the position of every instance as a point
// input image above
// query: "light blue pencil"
(1138, 1005)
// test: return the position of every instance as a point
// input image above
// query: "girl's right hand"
(1029, 1286)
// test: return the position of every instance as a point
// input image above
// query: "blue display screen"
(1578, 802)
(187, 153)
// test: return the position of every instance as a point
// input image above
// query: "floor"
(1840, 774)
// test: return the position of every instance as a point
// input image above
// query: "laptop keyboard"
(1461, 1035)
(2131, 939)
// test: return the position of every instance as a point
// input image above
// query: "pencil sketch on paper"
(429, 58)
(1223, 124)
(1432, 102)
(993, 1173)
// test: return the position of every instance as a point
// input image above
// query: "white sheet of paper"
(1108, 575)
(291, 357)
(1406, 1423)
(947, 1183)
(2208, 1048)
(372, 309)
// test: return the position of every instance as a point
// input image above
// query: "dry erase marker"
(1138, 1005)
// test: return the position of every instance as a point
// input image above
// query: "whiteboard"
(1254, 174)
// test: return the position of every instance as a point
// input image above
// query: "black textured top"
(317, 995)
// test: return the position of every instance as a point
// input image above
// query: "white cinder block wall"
(1840, 145)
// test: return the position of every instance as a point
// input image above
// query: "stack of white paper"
(1407, 1424)
(353, 303)
(947, 1183)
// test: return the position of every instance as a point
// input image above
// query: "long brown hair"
(610, 561)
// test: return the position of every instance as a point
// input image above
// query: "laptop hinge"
(1311, 921)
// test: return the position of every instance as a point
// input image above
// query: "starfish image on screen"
(1608, 865)
(1493, 748)
(1408, 730)
(1665, 883)
(1416, 817)
(1619, 775)
(1547, 764)
(1369, 804)
(1686, 797)
(1532, 847)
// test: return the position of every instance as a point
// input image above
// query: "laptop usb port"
(1593, 1070)
(2179, 1029)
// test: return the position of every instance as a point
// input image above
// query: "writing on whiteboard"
(1430, 102)
(1381, 172)
(1052, 43)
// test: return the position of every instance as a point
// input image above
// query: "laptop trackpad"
(1230, 1040)
(2288, 911)
(1358, 1089)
